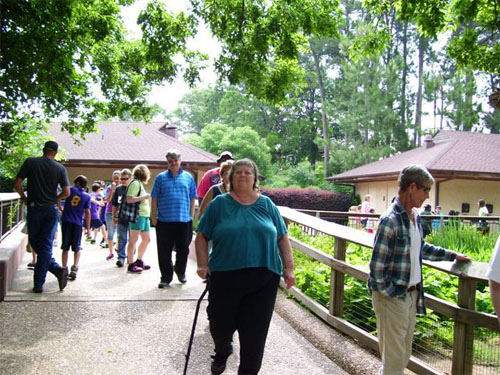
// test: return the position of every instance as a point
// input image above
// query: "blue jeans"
(42, 225)
(109, 226)
(122, 231)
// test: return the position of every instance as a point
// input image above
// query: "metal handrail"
(11, 213)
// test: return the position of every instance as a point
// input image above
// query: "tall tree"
(492, 121)
(70, 59)
(476, 47)
(54, 53)
(320, 48)
(262, 40)
(433, 84)
(198, 108)
(462, 112)
(243, 142)
(324, 120)
(422, 47)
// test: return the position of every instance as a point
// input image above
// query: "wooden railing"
(463, 313)
(346, 218)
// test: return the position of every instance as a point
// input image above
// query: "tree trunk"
(402, 132)
(469, 106)
(442, 105)
(422, 45)
(324, 121)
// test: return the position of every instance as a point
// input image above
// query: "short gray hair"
(247, 163)
(173, 154)
(414, 173)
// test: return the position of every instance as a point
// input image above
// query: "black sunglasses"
(124, 178)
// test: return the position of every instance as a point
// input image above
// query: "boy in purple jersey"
(97, 201)
(76, 206)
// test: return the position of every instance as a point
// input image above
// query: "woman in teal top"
(250, 251)
(137, 193)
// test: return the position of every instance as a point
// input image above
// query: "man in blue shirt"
(396, 268)
(172, 211)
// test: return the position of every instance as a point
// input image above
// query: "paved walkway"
(108, 321)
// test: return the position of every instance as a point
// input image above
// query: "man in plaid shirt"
(396, 268)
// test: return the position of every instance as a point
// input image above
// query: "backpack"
(129, 212)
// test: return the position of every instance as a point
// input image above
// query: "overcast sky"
(168, 96)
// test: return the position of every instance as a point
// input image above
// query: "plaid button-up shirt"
(390, 263)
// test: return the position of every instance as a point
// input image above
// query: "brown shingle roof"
(116, 142)
(454, 152)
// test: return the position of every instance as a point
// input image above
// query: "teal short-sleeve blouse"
(243, 236)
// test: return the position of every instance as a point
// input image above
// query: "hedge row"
(310, 199)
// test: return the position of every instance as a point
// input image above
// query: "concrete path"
(108, 321)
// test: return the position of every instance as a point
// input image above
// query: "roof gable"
(117, 142)
(469, 152)
(452, 152)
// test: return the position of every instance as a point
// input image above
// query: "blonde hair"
(141, 172)
(228, 164)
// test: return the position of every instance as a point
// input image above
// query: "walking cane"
(194, 327)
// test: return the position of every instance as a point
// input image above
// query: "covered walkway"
(109, 321)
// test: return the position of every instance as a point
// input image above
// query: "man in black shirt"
(44, 175)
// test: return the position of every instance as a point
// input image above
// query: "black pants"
(242, 300)
(168, 235)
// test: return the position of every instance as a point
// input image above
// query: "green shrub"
(465, 239)
(311, 199)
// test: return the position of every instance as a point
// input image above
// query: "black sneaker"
(218, 365)
(219, 360)
(119, 263)
(62, 277)
(140, 263)
(37, 290)
(181, 278)
(72, 274)
(163, 284)
(133, 268)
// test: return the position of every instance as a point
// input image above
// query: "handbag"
(129, 212)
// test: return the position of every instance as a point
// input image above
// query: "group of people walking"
(242, 244)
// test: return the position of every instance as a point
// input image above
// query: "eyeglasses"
(124, 178)
(426, 189)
